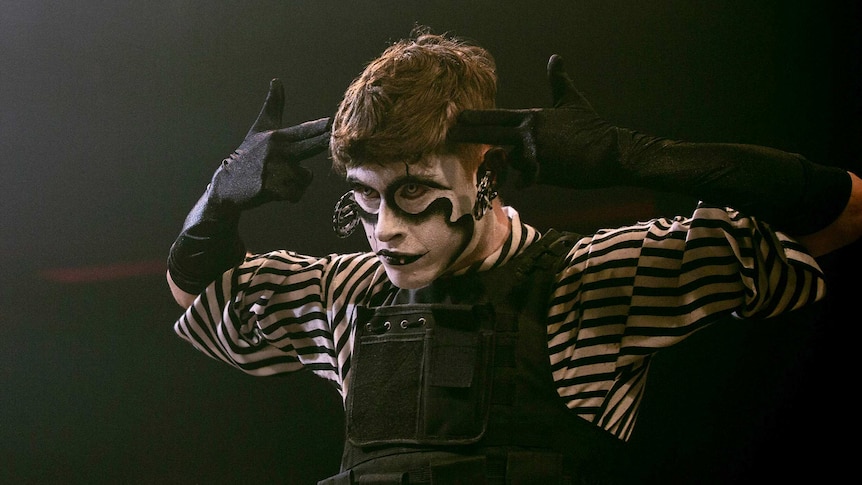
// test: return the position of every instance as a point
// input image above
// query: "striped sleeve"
(626, 293)
(280, 312)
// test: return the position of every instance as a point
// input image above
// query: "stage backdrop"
(113, 116)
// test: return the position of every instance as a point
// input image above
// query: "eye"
(365, 192)
(412, 190)
(367, 198)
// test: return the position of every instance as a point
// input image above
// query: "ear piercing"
(485, 193)
(345, 218)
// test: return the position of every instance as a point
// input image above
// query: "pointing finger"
(563, 90)
(269, 117)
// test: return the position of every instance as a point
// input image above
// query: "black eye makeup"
(410, 194)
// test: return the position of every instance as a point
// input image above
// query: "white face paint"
(417, 218)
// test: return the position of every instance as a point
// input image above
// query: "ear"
(495, 159)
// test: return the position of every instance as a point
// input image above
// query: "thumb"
(563, 90)
(269, 117)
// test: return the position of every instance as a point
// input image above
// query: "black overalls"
(452, 384)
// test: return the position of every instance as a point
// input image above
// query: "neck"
(500, 228)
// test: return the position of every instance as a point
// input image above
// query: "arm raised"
(264, 168)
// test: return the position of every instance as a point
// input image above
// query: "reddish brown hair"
(402, 105)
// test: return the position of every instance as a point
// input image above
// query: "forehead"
(439, 168)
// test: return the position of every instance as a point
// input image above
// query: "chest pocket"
(421, 375)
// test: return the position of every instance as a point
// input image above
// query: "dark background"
(113, 116)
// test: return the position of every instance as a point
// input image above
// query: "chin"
(409, 281)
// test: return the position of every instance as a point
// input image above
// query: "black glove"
(572, 146)
(264, 168)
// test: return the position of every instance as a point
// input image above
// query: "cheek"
(462, 232)
(463, 205)
(440, 235)
(437, 230)
(369, 233)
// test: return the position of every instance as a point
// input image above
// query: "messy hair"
(402, 105)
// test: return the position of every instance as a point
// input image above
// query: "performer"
(465, 344)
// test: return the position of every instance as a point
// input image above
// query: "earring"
(345, 218)
(485, 193)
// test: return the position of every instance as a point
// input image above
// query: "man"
(466, 345)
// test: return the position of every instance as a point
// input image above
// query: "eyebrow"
(402, 180)
(353, 180)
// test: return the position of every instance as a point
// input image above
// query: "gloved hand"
(264, 168)
(570, 145)
(570, 141)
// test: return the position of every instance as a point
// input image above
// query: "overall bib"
(452, 384)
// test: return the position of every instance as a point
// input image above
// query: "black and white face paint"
(417, 218)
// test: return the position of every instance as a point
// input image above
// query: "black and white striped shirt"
(623, 294)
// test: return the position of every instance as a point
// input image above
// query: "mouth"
(396, 259)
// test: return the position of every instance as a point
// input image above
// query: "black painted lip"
(397, 259)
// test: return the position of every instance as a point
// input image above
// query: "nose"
(389, 224)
